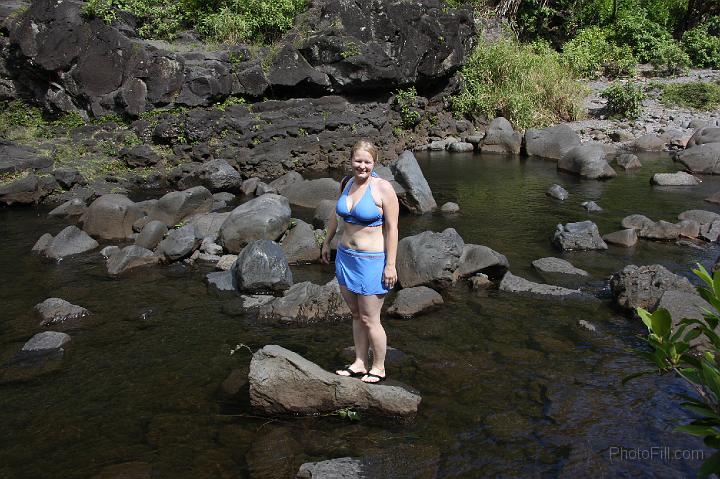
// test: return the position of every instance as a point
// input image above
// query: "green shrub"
(702, 44)
(642, 35)
(406, 100)
(507, 78)
(697, 95)
(669, 58)
(624, 99)
(591, 55)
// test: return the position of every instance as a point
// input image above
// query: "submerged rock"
(557, 192)
(130, 257)
(306, 303)
(450, 208)
(516, 284)
(57, 310)
(46, 341)
(591, 206)
(557, 265)
(410, 302)
(283, 382)
(642, 286)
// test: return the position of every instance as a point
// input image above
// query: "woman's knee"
(368, 320)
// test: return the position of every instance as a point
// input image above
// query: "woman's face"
(362, 164)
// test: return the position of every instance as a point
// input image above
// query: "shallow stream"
(511, 385)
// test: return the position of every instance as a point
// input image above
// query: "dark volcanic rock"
(429, 259)
(306, 303)
(139, 156)
(68, 177)
(265, 217)
(215, 175)
(501, 138)
(551, 143)
(26, 190)
(111, 217)
(262, 266)
(309, 193)
(418, 198)
(70, 241)
(18, 158)
(130, 257)
(300, 243)
(151, 234)
(642, 286)
(56, 310)
(410, 302)
(176, 206)
(179, 243)
(588, 161)
(583, 235)
(704, 158)
(478, 258)
(516, 284)
(73, 207)
(283, 382)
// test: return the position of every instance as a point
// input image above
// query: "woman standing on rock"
(365, 261)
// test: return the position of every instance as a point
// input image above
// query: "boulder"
(477, 258)
(56, 310)
(215, 175)
(176, 206)
(249, 186)
(73, 207)
(627, 237)
(660, 230)
(309, 193)
(72, 240)
(550, 143)
(649, 142)
(557, 192)
(642, 286)
(265, 217)
(701, 216)
(410, 302)
(178, 243)
(108, 251)
(637, 222)
(300, 244)
(501, 138)
(283, 382)
(262, 266)
(286, 180)
(674, 179)
(111, 217)
(583, 235)
(628, 161)
(324, 210)
(588, 161)
(130, 257)
(46, 341)
(704, 135)
(139, 156)
(591, 206)
(306, 303)
(226, 262)
(418, 198)
(14, 158)
(429, 259)
(28, 189)
(703, 158)
(208, 246)
(42, 243)
(207, 225)
(460, 147)
(557, 265)
(151, 234)
(710, 231)
(68, 177)
(515, 284)
(450, 208)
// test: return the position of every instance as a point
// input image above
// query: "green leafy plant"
(351, 50)
(672, 351)
(590, 54)
(624, 99)
(529, 87)
(702, 44)
(347, 413)
(229, 101)
(668, 58)
(406, 100)
(697, 95)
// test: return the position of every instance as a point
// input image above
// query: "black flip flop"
(379, 378)
(352, 374)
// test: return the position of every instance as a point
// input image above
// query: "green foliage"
(672, 353)
(222, 21)
(669, 58)
(697, 95)
(527, 84)
(351, 50)
(22, 122)
(641, 34)
(405, 99)
(348, 413)
(591, 55)
(702, 44)
(624, 99)
(229, 101)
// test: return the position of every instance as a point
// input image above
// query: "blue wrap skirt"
(360, 271)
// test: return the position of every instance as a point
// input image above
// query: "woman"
(365, 261)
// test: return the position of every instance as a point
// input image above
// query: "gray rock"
(480, 281)
(176, 206)
(111, 217)
(460, 147)
(300, 244)
(72, 240)
(660, 230)
(591, 206)
(309, 193)
(29, 189)
(648, 142)
(703, 135)
(283, 382)
(475, 139)
(179, 243)
(557, 265)
(207, 225)
(501, 138)
(476, 258)
(417, 198)
(689, 228)
(628, 161)
(265, 217)
(642, 286)
(130, 257)
(215, 175)
(701, 216)
(557, 192)
(47, 340)
(340, 468)
(264, 189)
(226, 262)
(515, 284)
(410, 302)
(637, 222)
(249, 186)
(429, 259)
(710, 231)
(627, 237)
(286, 180)
(588, 161)
(262, 266)
(674, 179)
(221, 281)
(108, 251)
(56, 310)
(151, 234)
(210, 247)
(551, 143)
(450, 208)
(73, 207)
(323, 212)
(583, 235)
(223, 196)
(306, 303)
(42, 243)
(703, 158)
(587, 325)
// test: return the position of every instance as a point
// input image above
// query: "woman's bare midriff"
(363, 238)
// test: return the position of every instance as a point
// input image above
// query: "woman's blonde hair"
(365, 145)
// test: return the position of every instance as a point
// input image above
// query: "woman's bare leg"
(369, 312)
(360, 334)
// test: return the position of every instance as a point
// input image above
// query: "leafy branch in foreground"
(674, 352)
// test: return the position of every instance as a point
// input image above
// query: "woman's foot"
(374, 376)
(352, 371)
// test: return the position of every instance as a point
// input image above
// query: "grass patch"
(527, 84)
(12, 176)
(23, 123)
(695, 95)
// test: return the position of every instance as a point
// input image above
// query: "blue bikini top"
(365, 212)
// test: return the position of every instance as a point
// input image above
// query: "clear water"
(511, 386)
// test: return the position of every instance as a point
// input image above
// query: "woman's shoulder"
(383, 186)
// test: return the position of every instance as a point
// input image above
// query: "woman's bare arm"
(391, 212)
